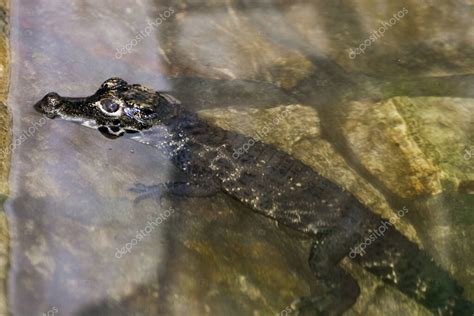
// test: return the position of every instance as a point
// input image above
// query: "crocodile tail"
(401, 263)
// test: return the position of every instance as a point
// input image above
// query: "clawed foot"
(147, 191)
(180, 189)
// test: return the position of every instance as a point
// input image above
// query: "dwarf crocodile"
(270, 182)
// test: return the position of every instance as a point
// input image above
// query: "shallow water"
(394, 125)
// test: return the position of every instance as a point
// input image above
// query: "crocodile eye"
(110, 105)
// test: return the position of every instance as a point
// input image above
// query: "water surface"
(71, 208)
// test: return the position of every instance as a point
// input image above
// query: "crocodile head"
(115, 109)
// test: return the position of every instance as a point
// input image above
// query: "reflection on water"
(391, 125)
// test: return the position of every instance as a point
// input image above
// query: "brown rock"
(5, 138)
(379, 137)
(224, 43)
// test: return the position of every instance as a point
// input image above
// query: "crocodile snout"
(49, 104)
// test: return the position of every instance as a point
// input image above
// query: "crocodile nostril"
(49, 104)
(52, 97)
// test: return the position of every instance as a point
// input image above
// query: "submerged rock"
(393, 39)
(380, 139)
(415, 146)
(220, 42)
(447, 225)
(443, 129)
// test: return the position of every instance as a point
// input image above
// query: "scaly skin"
(272, 183)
